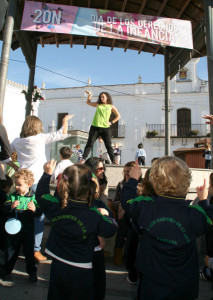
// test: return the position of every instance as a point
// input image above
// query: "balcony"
(55, 128)
(116, 131)
(178, 130)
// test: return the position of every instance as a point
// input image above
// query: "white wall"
(14, 109)
(139, 104)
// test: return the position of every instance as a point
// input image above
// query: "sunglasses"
(100, 169)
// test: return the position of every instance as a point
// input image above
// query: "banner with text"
(56, 18)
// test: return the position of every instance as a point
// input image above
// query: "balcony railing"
(55, 128)
(117, 132)
(178, 130)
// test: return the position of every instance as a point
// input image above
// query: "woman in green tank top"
(100, 125)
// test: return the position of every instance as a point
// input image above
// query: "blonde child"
(79, 152)
(23, 206)
(75, 227)
(167, 257)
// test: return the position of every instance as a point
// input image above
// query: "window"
(60, 118)
(183, 121)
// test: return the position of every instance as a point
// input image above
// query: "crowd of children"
(153, 218)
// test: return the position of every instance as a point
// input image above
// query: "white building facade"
(14, 109)
(141, 106)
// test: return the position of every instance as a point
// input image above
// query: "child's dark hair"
(65, 152)
(130, 165)
(7, 182)
(77, 184)
(140, 146)
(109, 98)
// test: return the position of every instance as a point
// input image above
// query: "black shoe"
(132, 277)
(33, 277)
(131, 282)
(204, 276)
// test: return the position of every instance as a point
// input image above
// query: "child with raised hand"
(23, 206)
(167, 257)
(75, 226)
(65, 155)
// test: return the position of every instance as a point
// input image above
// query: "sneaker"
(7, 281)
(39, 257)
(33, 277)
(204, 276)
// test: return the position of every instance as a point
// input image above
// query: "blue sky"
(103, 66)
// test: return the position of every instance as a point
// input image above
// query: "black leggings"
(105, 134)
(141, 160)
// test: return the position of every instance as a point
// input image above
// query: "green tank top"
(102, 115)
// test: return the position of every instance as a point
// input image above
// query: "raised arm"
(202, 191)
(43, 190)
(94, 104)
(210, 118)
(65, 123)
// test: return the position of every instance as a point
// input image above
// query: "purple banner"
(46, 17)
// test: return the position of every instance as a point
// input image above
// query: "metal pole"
(208, 10)
(7, 40)
(31, 81)
(167, 102)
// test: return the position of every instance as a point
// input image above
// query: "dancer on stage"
(100, 125)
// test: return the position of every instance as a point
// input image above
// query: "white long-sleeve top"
(31, 150)
(59, 169)
(140, 152)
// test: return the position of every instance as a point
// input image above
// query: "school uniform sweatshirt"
(22, 213)
(74, 228)
(167, 252)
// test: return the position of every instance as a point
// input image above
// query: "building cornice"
(17, 85)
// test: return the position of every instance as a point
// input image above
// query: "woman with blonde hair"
(30, 148)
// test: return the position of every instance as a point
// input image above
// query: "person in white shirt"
(30, 148)
(140, 155)
(65, 155)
